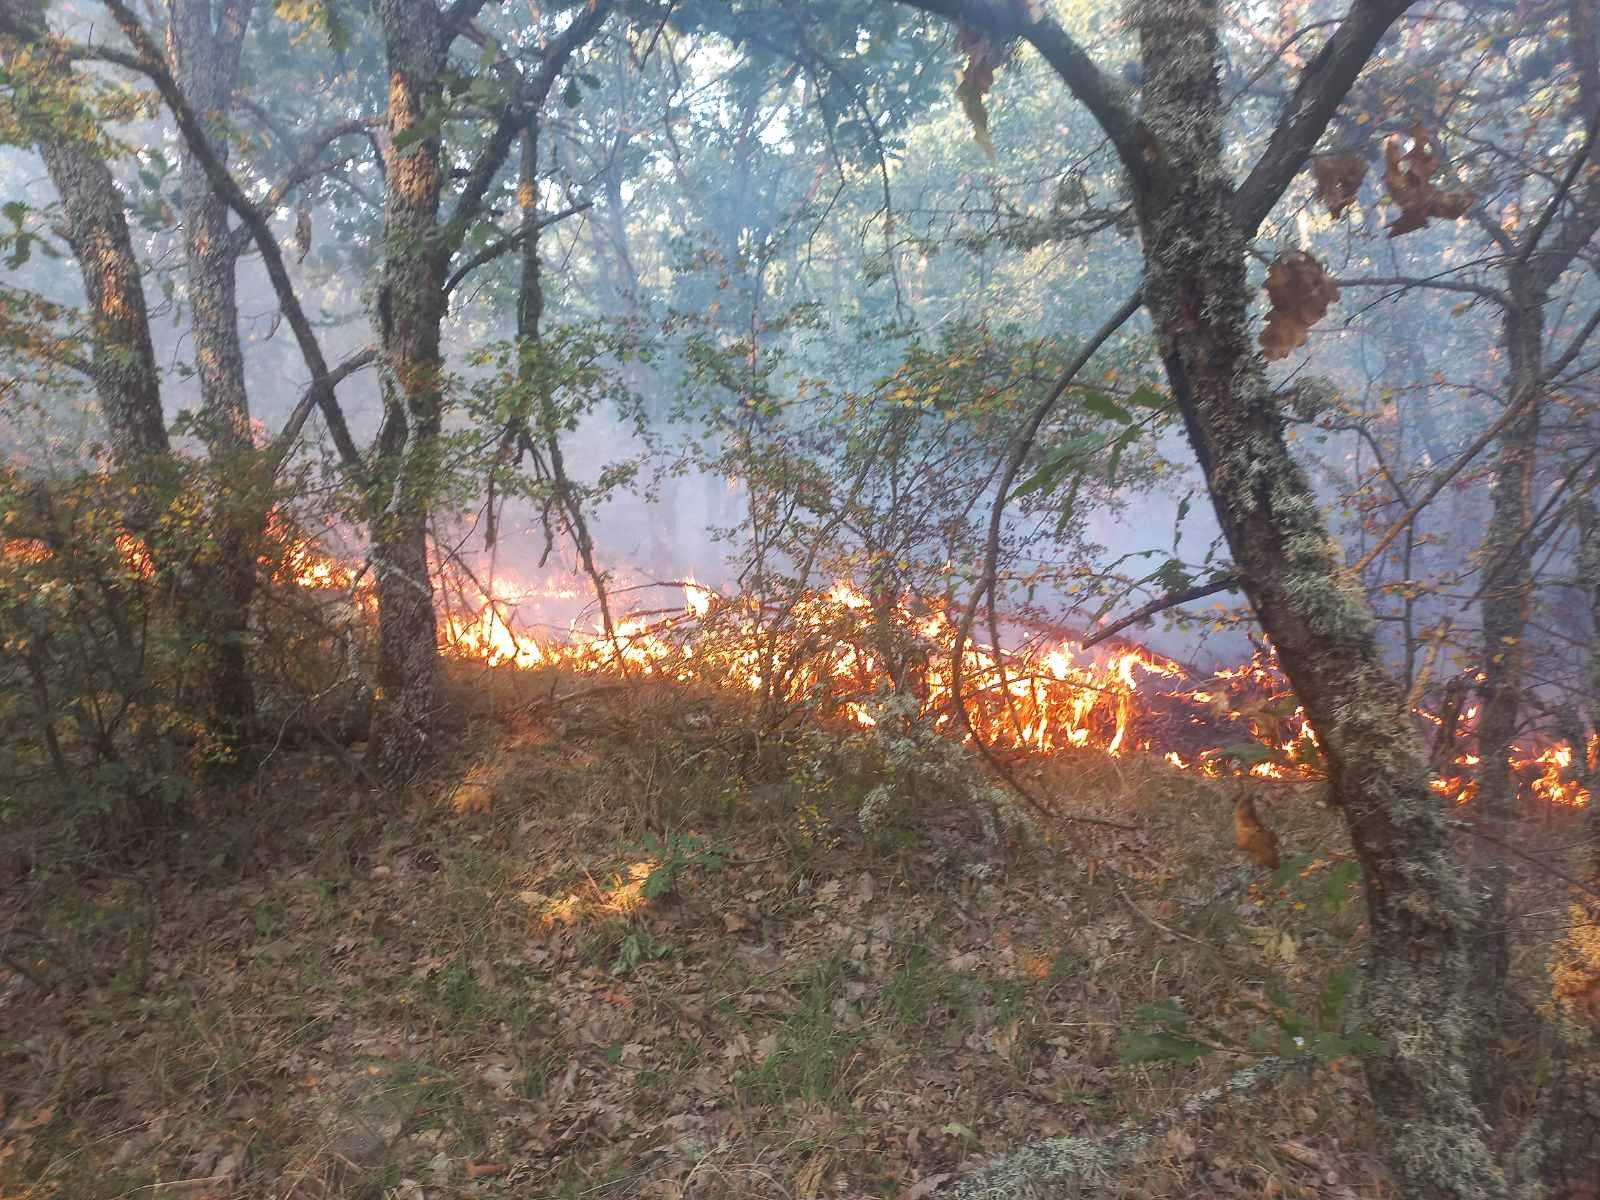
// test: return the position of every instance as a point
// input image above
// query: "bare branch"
(1199, 591)
(1444, 477)
(533, 93)
(1559, 198)
(1019, 454)
(510, 242)
(302, 411)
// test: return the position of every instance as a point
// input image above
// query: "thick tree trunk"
(410, 307)
(1415, 996)
(126, 379)
(204, 46)
(411, 304)
(1507, 595)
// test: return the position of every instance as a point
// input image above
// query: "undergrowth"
(629, 945)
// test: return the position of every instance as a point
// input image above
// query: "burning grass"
(839, 652)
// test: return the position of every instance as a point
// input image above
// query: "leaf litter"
(463, 1004)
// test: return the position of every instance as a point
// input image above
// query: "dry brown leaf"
(976, 81)
(302, 233)
(1149, 148)
(486, 1170)
(1408, 176)
(1338, 179)
(1301, 292)
(1254, 838)
(925, 1187)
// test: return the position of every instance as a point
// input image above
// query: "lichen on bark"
(1415, 996)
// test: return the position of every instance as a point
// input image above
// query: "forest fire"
(839, 651)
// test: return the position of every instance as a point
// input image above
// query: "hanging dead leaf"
(1301, 292)
(976, 81)
(1338, 179)
(302, 232)
(1254, 838)
(1408, 176)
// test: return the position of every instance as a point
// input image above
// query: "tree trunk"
(410, 307)
(1507, 595)
(1416, 991)
(123, 369)
(1560, 1149)
(203, 48)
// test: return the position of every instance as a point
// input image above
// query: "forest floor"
(622, 947)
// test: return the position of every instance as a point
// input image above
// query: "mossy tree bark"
(1415, 998)
(1195, 225)
(123, 370)
(410, 306)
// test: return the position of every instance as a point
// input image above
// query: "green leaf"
(1164, 1011)
(1147, 397)
(1248, 754)
(572, 94)
(1331, 1002)
(1102, 405)
(1290, 870)
(1341, 886)
(1172, 576)
(15, 212)
(1070, 454)
(1070, 504)
(1160, 1047)
(1128, 436)
(659, 882)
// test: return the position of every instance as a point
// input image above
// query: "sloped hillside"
(624, 946)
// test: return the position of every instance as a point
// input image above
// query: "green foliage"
(115, 695)
(1166, 1033)
(674, 857)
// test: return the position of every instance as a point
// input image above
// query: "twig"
(1200, 590)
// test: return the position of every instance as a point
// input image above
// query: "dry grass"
(623, 946)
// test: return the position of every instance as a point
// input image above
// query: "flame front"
(842, 650)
